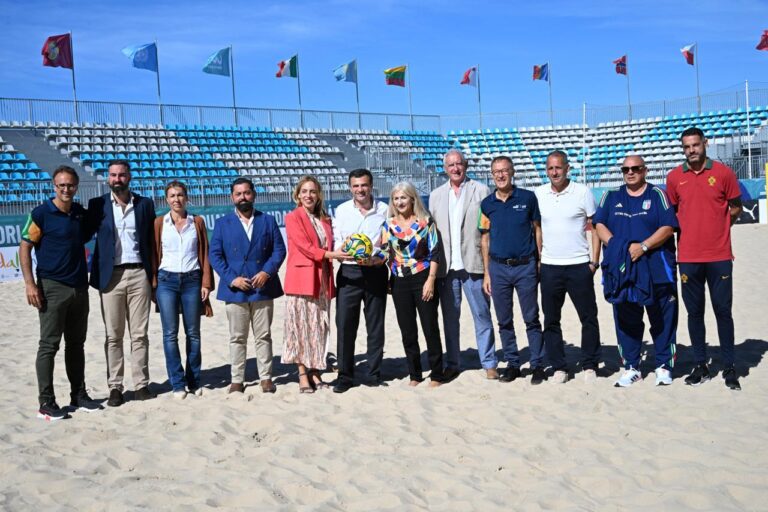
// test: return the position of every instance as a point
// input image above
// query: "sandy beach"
(471, 444)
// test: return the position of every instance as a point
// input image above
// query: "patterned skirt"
(306, 330)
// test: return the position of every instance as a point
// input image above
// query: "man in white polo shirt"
(568, 265)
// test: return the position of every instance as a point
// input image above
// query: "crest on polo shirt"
(684, 278)
(647, 204)
(711, 180)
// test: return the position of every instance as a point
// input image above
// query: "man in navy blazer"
(121, 269)
(246, 250)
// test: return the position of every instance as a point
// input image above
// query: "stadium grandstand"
(205, 148)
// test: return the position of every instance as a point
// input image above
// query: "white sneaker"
(590, 375)
(559, 377)
(628, 378)
(199, 392)
(179, 395)
(663, 376)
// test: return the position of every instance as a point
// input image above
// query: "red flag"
(470, 77)
(57, 51)
(621, 65)
(688, 52)
(763, 44)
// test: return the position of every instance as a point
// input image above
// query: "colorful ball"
(358, 246)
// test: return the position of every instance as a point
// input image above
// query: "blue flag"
(143, 56)
(218, 63)
(346, 72)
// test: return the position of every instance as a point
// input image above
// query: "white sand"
(469, 445)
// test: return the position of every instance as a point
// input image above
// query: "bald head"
(633, 160)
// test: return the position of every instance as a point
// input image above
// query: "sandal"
(305, 389)
(319, 384)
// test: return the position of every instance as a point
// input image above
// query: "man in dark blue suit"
(121, 269)
(246, 251)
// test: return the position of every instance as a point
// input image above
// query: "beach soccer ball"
(358, 246)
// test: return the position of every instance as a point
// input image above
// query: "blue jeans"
(180, 293)
(479, 304)
(505, 280)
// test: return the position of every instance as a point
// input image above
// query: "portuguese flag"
(288, 68)
(395, 76)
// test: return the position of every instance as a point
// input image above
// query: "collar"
(461, 185)
(512, 194)
(167, 219)
(707, 165)
(131, 197)
(243, 219)
(567, 190)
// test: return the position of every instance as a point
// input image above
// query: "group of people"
(469, 242)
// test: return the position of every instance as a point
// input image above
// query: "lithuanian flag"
(395, 76)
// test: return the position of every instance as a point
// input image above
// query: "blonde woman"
(409, 238)
(308, 284)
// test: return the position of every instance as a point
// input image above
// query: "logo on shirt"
(619, 205)
(711, 180)
(683, 182)
(683, 278)
(647, 204)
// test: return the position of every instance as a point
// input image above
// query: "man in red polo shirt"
(708, 201)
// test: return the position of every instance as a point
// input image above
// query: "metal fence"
(32, 111)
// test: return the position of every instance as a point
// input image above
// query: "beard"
(244, 206)
(118, 188)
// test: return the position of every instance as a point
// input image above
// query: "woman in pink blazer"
(308, 284)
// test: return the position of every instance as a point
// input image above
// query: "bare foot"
(434, 383)
(414, 383)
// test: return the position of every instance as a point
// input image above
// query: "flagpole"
(74, 89)
(749, 131)
(584, 141)
(410, 103)
(629, 99)
(479, 105)
(232, 76)
(357, 98)
(298, 85)
(698, 95)
(159, 97)
(549, 81)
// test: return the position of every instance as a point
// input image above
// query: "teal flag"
(143, 56)
(218, 63)
(346, 72)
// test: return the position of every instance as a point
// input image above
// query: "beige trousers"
(127, 298)
(258, 317)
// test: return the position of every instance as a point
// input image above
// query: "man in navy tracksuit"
(636, 222)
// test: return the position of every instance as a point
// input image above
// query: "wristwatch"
(594, 264)
(644, 247)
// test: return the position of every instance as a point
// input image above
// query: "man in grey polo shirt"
(568, 264)
(455, 206)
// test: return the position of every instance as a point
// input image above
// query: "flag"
(395, 76)
(621, 65)
(218, 63)
(346, 72)
(688, 52)
(541, 72)
(470, 77)
(763, 44)
(288, 68)
(57, 52)
(143, 56)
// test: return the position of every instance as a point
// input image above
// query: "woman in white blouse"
(183, 281)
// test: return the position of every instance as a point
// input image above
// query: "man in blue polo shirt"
(56, 230)
(636, 223)
(510, 225)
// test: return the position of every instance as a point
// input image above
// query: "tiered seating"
(433, 146)
(481, 146)
(543, 140)
(20, 179)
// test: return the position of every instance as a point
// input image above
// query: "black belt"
(130, 265)
(511, 262)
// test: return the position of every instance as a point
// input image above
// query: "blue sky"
(438, 39)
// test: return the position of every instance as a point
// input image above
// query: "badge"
(647, 204)
(683, 278)
(711, 180)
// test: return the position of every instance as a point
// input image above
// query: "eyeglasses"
(65, 186)
(499, 172)
(633, 168)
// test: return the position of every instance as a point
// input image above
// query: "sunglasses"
(633, 168)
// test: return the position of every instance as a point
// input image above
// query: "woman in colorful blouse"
(409, 237)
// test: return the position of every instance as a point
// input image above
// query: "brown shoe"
(236, 387)
(267, 386)
(492, 374)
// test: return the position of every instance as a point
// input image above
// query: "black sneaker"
(115, 398)
(52, 412)
(699, 375)
(731, 379)
(342, 387)
(538, 376)
(509, 374)
(85, 403)
(144, 394)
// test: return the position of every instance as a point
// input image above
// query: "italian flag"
(288, 68)
(395, 76)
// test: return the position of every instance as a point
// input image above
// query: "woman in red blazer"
(308, 284)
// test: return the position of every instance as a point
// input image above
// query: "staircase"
(33, 144)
